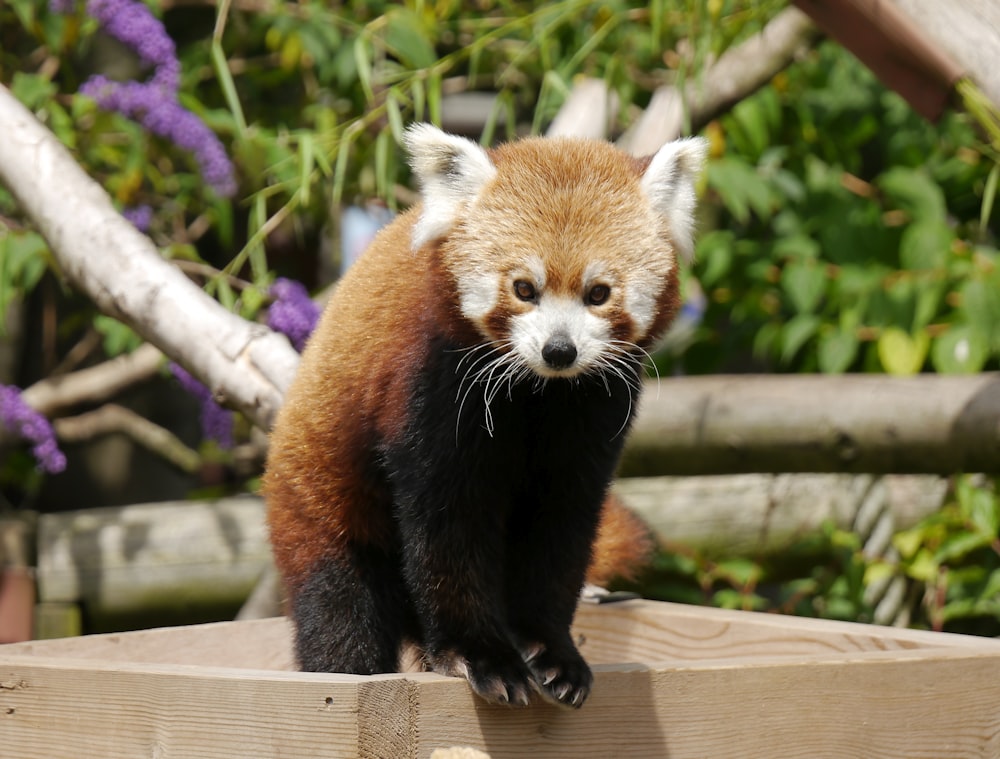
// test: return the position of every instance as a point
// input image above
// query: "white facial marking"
(642, 296)
(559, 315)
(595, 272)
(478, 294)
(536, 268)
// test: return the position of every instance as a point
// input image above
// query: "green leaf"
(434, 97)
(383, 145)
(739, 572)
(804, 282)
(363, 66)
(924, 566)
(796, 246)
(395, 114)
(33, 90)
(715, 256)
(796, 333)
(925, 244)
(908, 542)
(306, 164)
(913, 191)
(930, 298)
(902, 353)
(989, 196)
(741, 188)
(406, 37)
(981, 306)
(118, 338)
(960, 545)
(750, 118)
(980, 508)
(766, 340)
(960, 350)
(837, 350)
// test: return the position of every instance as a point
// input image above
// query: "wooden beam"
(193, 560)
(893, 47)
(817, 423)
(200, 560)
(670, 680)
(766, 514)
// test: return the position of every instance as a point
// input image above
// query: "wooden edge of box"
(874, 703)
(670, 680)
(637, 631)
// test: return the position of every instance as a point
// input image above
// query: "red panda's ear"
(670, 180)
(451, 171)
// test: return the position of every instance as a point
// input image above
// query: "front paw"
(499, 677)
(560, 676)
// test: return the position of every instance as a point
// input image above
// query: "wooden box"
(671, 681)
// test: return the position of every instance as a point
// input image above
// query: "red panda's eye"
(598, 294)
(524, 290)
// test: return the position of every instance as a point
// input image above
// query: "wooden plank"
(89, 709)
(878, 424)
(652, 632)
(259, 644)
(761, 514)
(704, 682)
(185, 557)
(842, 709)
(646, 632)
(882, 704)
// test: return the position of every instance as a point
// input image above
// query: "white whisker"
(492, 365)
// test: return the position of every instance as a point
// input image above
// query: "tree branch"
(114, 418)
(739, 71)
(103, 256)
(817, 423)
(55, 395)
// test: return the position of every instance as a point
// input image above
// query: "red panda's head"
(563, 251)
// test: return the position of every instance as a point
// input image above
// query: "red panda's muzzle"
(559, 352)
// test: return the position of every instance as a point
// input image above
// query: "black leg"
(452, 558)
(352, 615)
(545, 571)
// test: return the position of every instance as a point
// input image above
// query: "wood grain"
(703, 683)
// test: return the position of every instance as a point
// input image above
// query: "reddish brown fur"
(304, 527)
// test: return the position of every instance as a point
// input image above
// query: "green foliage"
(950, 563)
(953, 557)
(312, 97)
(852, 235)
(841, 232)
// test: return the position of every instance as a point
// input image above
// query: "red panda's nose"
(559, 352)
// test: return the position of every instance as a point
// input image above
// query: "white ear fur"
(670, 181)
(451, 171)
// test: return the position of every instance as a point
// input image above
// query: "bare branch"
(738, 72)
(588, 111)
(114, 418)
(102, 255)
(95, 384)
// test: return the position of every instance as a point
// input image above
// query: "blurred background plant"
(841, 232)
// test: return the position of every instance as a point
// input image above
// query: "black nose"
(559, 352)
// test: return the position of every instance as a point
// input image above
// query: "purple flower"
(140, 216)
(161, 114)
(216, 422)
(131, 23)
(153, 103)
(293, 312)
(18, 417)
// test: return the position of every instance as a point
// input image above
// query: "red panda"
(440, 468)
